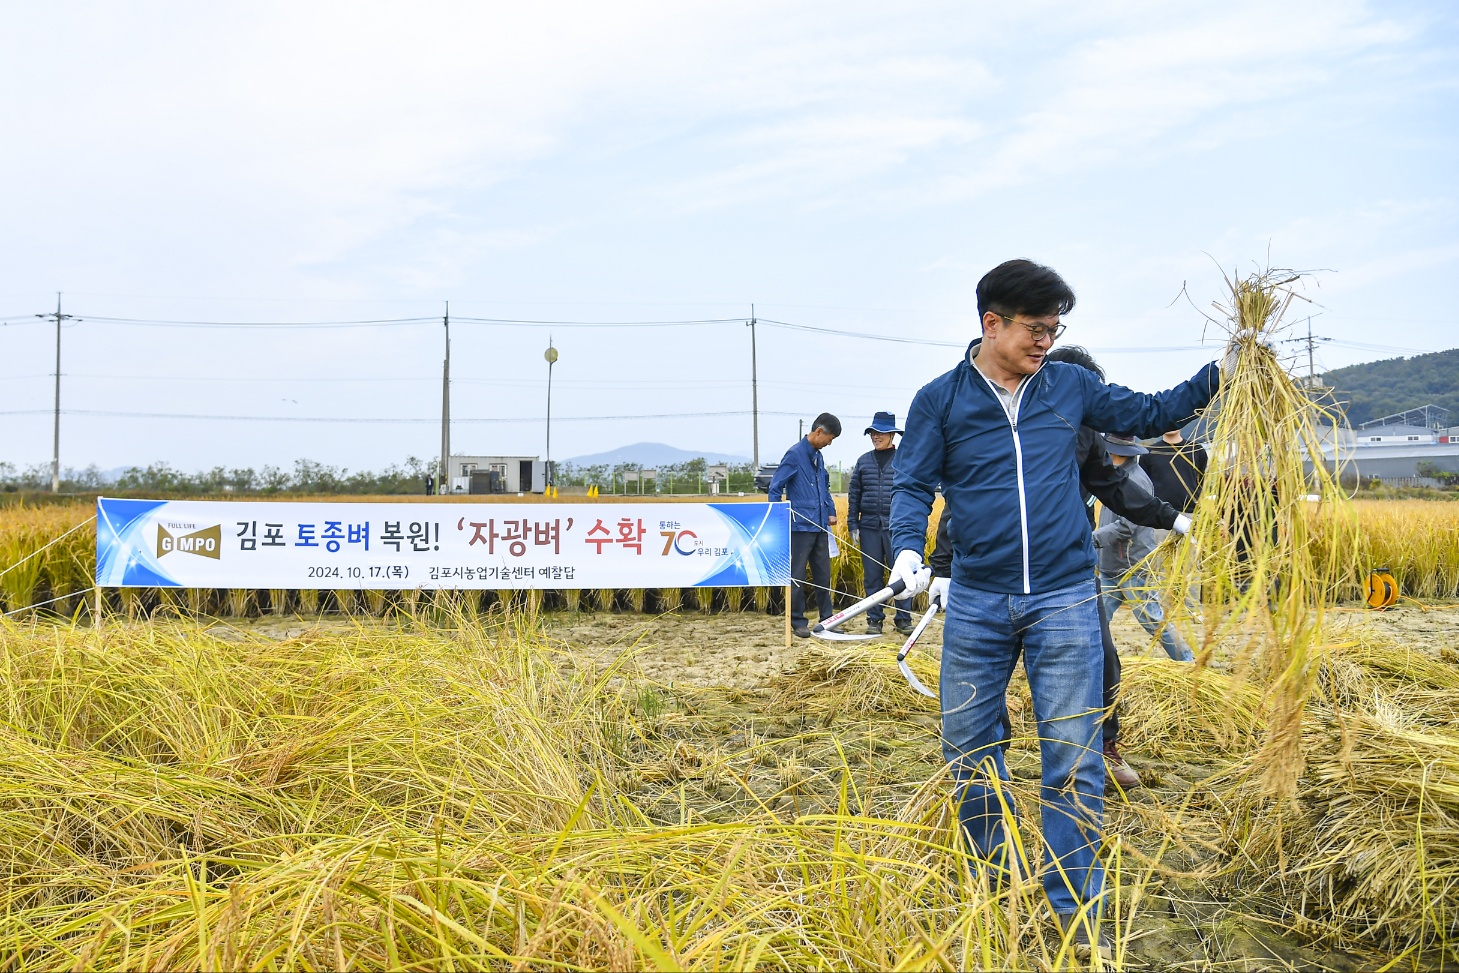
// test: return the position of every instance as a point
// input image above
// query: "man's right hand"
(909, 569)
(939, 591)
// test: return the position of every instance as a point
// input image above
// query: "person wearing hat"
(869, 518)
(1121, 545)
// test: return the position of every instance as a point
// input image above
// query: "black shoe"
(873, 628)
(801, 631)
(905, 627)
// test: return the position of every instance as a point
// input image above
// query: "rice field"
(649, 779)
(461, 792)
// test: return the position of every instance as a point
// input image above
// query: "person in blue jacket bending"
(803, 479)
(998, 434)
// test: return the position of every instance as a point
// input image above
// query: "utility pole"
(551, 355)
(56, 437)
(1310, 340)
(754, 392)
(443, 484)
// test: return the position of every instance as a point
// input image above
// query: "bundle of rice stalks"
(1370, 849)
(1174, 709)
(853, 682)
(1398, 685)
(1253, 565)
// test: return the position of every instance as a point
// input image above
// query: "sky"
(173, 167)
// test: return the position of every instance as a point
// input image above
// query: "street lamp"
(551, 356)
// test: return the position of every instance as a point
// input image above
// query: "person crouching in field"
(869, 518)
(803, 480)
(1123, 544)
(998, 434)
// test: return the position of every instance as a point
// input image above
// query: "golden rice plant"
(376, 601)
(1253, 564)
(572, 599)
(307, 600)
(637, 597)
(238, 602)
(604, 598)
(704, 599)
(1418, 540)
(671, 599)
(424, 799)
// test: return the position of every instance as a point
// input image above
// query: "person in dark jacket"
(998, 434)
(803, 480)
(869, 518)
(1177, 467)
(1099, 479)
(1123, 544)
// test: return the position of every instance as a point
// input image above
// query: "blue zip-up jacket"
(869, 495)
(1015, 480)
(802, 476)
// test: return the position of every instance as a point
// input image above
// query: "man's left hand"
(832, 520)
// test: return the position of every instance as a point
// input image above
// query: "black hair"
(827, 422)
(1024, 287)
(1075, 355)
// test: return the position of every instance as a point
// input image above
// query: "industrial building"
(497, 474)
(1391, 449)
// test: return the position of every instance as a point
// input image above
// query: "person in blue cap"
(869, 518)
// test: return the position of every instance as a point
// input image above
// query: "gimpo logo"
(207, 542)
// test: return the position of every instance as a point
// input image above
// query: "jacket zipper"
(1018, 460)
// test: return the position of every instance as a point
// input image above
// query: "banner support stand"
(97, 609)
(787, 616)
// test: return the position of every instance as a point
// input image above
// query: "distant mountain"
(1381, 388)
(652, 454)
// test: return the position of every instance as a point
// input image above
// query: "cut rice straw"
(1253, 568)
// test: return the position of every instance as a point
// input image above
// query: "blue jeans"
(1064, 658)
(1137, 592)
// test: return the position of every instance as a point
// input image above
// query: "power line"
(386, 420)
(162, 323)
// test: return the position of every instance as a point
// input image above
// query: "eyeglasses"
(1039, 331)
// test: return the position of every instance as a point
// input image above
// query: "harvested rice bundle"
(1172, 709)
(1370, 849)
(1253, 566)
(853, 682)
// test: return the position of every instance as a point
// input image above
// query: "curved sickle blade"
(907, 672)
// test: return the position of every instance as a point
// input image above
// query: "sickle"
(907, 672)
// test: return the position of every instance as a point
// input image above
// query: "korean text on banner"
(259, 544)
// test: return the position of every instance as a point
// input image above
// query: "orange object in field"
(1382, 589)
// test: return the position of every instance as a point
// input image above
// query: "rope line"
(42, 604)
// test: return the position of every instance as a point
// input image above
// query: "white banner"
(259, 544)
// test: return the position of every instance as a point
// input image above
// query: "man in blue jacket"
(869, 518)
(802, 478)
(998, 434)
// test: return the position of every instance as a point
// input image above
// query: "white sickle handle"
(907, 672)
(917, 632)
(886, 594)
